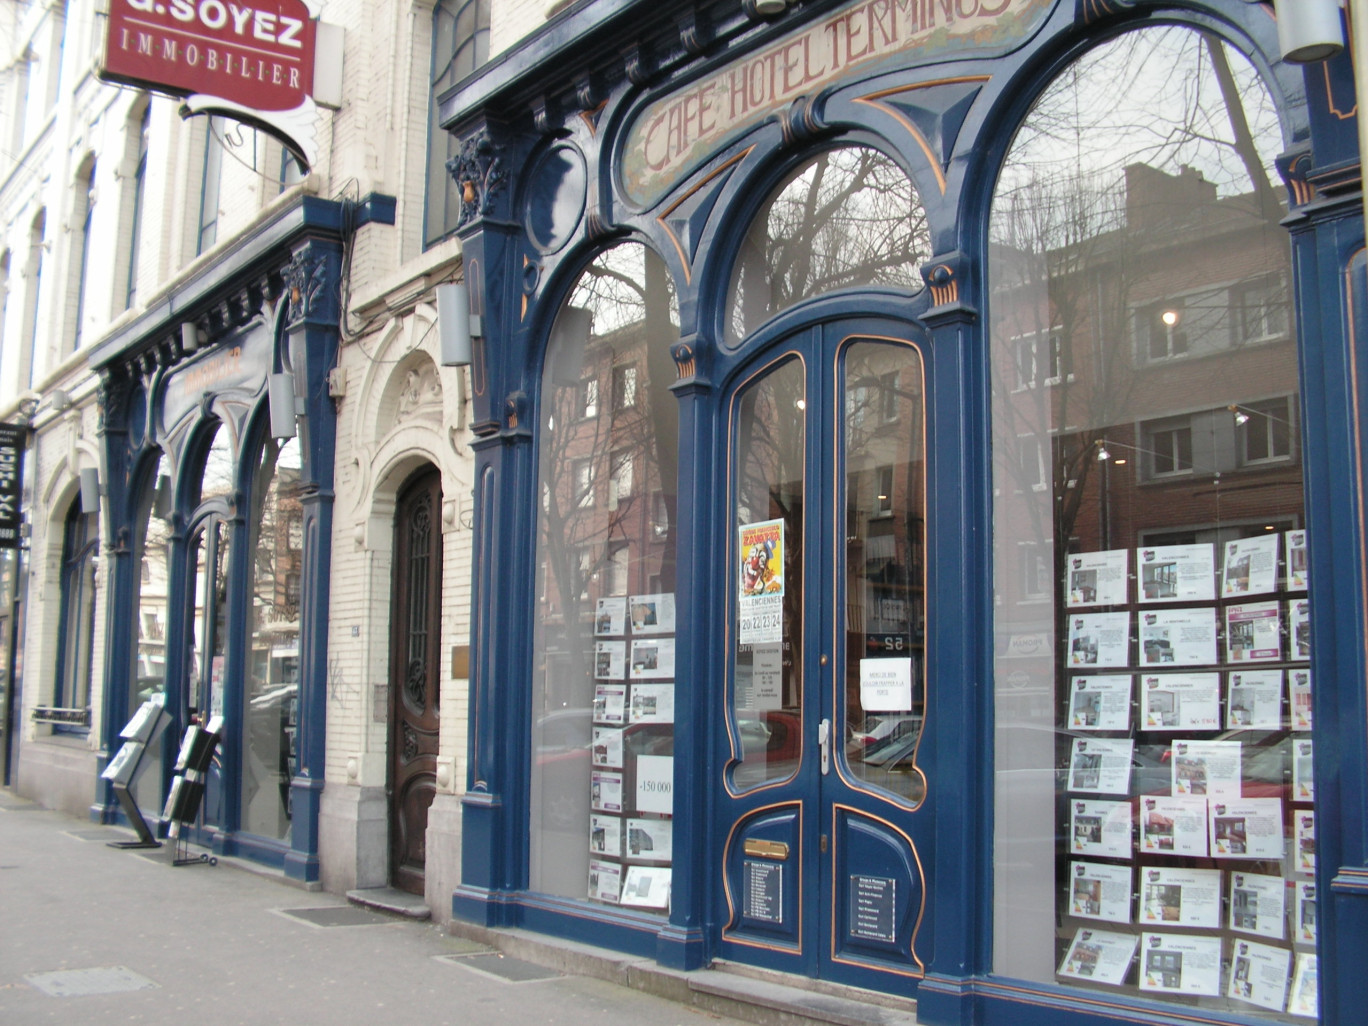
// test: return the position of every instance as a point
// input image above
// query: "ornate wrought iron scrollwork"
(415, 682)
(480, 175)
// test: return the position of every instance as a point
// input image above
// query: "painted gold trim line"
(1350, 314)
(838, 628)
(686, 261)
(728, 930)
(873, 100)
(729, 642)
(920, 972)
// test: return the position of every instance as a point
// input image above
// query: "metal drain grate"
(510, 970)
(112, 979)
(336, 915)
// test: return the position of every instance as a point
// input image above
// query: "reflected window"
(847, 217)
(76, 633)
(604, 629)
(460, 44)
(1149, 574)
(272, 684)
(149, 661)
(217, 480)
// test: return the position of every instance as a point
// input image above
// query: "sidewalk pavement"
(93, 934)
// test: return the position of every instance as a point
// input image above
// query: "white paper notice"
(1254, 700)
(1099, 956)
(1181, 897)
(605, 836)
(652, 703)
(610, 703)
(652, 614)
(1178, 637)
(1100, 891)
(1252, 634)
(767, 679)
(1099, 639)
(886, 684)
(653, 658)
(1303, 777)
(610, 616)
(610, 660)
(1303, 840)
(1176, 573)
(1258, 904)
(1300, 697)
(1299, 629)
(605, 791)
(650, 839)
(1180, 701)
(1304, 999)
(647, 887)
(1297, 575)
(1173, 826)
(1251, 828)
(1304, 912)
(605, 880)
(1101, 703)
(1258, 974)
(607, 747)
(1100, 829)
(655, 783)
(1100, 765)
(1208, 768)
(1098, 578)
(1174, 963)
(1250, 566)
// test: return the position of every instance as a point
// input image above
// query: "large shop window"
(1155, 806)
(151, 554)
(76, 633)
(848, 217)
(605, 626)
(272, 698)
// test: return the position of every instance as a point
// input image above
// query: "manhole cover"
(336, 915)
(510, 970)
(112, 979)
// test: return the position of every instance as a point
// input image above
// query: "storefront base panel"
(353, 838)
(59, 774)
(442, 874)
(1002, 1003)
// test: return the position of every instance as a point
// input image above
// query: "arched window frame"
(460, 44)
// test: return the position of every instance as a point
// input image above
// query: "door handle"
(824, 744)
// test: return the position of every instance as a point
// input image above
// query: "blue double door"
(823, 814)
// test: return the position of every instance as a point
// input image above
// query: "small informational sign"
(655, 783)
(886, 685)
(610, 616)
(762, 892)
(767, 678)
(652, 614)
(760, 604)
(12, 440)
(873, 900)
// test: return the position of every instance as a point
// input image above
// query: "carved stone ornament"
(421, 395)
(479, 175)
(306, 286)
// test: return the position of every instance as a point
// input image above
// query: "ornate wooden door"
(415, 675)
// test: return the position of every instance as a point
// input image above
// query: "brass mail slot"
(767, 849)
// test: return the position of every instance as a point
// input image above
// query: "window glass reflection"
(272, 679)
(604, 633)
(149, 672)
(218, 474)
(848, 217)
(1152, 832)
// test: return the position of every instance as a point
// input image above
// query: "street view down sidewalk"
(93, 934)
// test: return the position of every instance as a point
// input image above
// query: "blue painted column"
(683, 944)
(959, 606)
(311, 283)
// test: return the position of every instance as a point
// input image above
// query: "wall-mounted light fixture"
(1309, 30)
(1241, 418)
(90, 490)
(58, 400)
(190, 337)
(164, 499)
(285, 405)
(457, 327)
